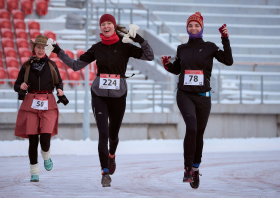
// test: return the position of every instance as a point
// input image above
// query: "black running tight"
(103, 109)
(195, 110)
(45, 142)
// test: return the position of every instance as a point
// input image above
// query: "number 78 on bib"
(194, 77)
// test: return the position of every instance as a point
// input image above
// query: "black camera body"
(22, 93)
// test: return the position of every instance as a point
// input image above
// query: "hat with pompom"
(197, 18)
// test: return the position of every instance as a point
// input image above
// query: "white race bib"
(40, 103)
(194, 77)
(109, 81)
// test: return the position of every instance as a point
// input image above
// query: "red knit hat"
(107, 17)
(197, 18)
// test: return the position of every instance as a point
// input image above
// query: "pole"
(86, 124)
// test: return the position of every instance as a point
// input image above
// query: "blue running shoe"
(34, 178)
(48, 164)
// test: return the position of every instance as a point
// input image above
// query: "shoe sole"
(35, 180)
(188, 180)
(106, 181)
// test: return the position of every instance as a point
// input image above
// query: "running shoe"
(106, 179)
(195, 175)
(48, 164)
(34, 178)
(188, 175)
(111, 165)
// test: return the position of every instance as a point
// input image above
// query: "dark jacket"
(197, 54)
(39, 80)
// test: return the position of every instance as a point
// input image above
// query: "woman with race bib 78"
(194, 62)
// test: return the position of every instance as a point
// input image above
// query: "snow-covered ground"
(146, 168)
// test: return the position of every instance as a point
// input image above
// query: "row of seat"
(26, 6)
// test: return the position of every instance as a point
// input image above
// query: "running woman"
(38, 113)
(109, 89)
(194, 62)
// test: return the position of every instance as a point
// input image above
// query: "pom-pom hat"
(197, 18)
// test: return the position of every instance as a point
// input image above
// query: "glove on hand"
(137, 39)
(56, 48)
(221, 30)
(165, 61)
(49, 48)
(62, 99)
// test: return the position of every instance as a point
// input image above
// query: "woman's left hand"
(60, 92)
(137, 39)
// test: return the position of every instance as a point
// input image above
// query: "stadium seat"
(91, 75)
(6, 42)
(12, 62)
(12, 74)
(7, 33)
(0, 54)
(21, 34)
(24, 52)
(69, 53)
(34, 33)
(53, 55)
(23, 60)
(22, 43)
(2, 4)
(3, 75)
(4, 14)
(12, 5)
(73, 75)
(26, 6)
(58, 62)
(33, 25)
(80, 52)
(50, 34)
(19, 24)
(62, 73)
(1, 64)
(41, 7)
(17, 14)
(5, 23)
(10, 52)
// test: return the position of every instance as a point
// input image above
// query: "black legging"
(195, 110)
(45, 142)
(104, 108)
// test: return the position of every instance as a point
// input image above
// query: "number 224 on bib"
(194, 77)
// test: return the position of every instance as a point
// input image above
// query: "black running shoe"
(188, 175)
(195, 183)
(106, 179)
(111, 165)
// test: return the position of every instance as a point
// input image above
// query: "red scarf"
(109, 40)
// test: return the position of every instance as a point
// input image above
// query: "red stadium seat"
(19, 24)
(17, 14)
(91, 75)
(10, 52)
(2, 4)
(41, 7)
(26, 6)
(5, 23)
(74, 75)
(1, 64)
(4, 14)
(62, 73)
(53, 55)
(80, 52)
(23, 60)
(12, 5)
(50, 34)
(12, 74)
(34, 33)
(6, 42)
(22, 43)
(58, 62)
(24, 52)
(21, 34)
(69, 53)
(33, 25)
(3, 75)
(12, 62)
(7, 33)
(0, 54)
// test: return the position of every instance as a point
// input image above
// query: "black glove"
(62, 99)
(137, 39)
(56, 48)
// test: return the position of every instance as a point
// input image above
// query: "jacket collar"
(194, 41)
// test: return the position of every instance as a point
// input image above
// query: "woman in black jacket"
(38, 113)
(109, 89)
(194, 62)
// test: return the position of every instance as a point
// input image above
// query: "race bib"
(194, 77)
(40, 103)
(109, 81)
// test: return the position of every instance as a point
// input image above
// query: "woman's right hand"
(165, 59)
(24, 86)
(56, 48)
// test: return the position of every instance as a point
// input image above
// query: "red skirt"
(31, 121)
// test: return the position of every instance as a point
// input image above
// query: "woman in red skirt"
(38, 113)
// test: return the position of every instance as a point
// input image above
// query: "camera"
(21, 94)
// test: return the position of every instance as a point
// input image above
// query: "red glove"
(165, 60)
(221, 30)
